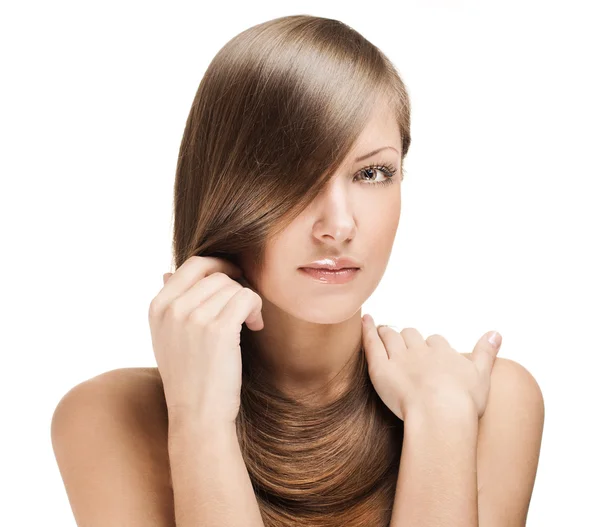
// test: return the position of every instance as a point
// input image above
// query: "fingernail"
(495, 339)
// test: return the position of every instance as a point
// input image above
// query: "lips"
(329, 276)
(333, 264)
(330, 270)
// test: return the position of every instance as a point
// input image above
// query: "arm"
(437, 481)
(206, 462)
(510, 436)
(508, 447)
(109, 439)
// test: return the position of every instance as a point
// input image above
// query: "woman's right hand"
(195, 323)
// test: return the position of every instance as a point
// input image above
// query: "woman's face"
(354, 216)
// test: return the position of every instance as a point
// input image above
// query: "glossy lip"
(333, 264)
(325, 276)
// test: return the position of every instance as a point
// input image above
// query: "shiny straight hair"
(277, 111)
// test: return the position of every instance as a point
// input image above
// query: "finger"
(242, 280)
(413, 338)
(392, 339)
(210, 307)
(485, 352)
(375, 350)
(209, 295)
(244, 306)
(190, 272)
(437, 341)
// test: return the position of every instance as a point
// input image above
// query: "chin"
(327, 316)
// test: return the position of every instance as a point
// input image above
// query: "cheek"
(384, 218)
(381, 242)
(382, 234)
(276, 264)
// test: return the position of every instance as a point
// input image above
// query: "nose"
(335, 220)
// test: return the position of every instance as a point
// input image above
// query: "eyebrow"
(361, 158)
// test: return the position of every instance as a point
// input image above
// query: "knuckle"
(220, 278)
(155, 308)
(258, 297)
(192, 261)
(236, 285)
(199, 318)
(244, 291)
(196, 259)
(213, 327)
(434, 339)
(174, 311)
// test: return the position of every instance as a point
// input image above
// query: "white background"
(499, 225)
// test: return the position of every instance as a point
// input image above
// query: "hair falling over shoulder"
(276, 112)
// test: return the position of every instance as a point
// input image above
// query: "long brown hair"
(277, 111)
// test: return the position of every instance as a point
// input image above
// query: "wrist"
(183, 420)
(449, 405)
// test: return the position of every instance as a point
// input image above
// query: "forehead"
(381, 130)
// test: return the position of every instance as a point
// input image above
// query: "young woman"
(275, 402)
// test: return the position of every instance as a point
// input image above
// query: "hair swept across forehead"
(276, 112)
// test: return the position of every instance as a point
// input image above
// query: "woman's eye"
(370, 174)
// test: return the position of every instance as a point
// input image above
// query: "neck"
(301, 358)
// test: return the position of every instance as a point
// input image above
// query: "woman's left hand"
(408, 371)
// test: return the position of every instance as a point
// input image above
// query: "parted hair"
(276, 112)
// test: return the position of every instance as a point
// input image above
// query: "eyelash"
(387, 169)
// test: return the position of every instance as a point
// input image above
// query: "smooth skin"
(441, 396)
(121, 475)
(110, 434)
(195, 321)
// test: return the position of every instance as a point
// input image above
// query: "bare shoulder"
(509, 443)
(132, 396)
(508, 371)
(109, 435)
